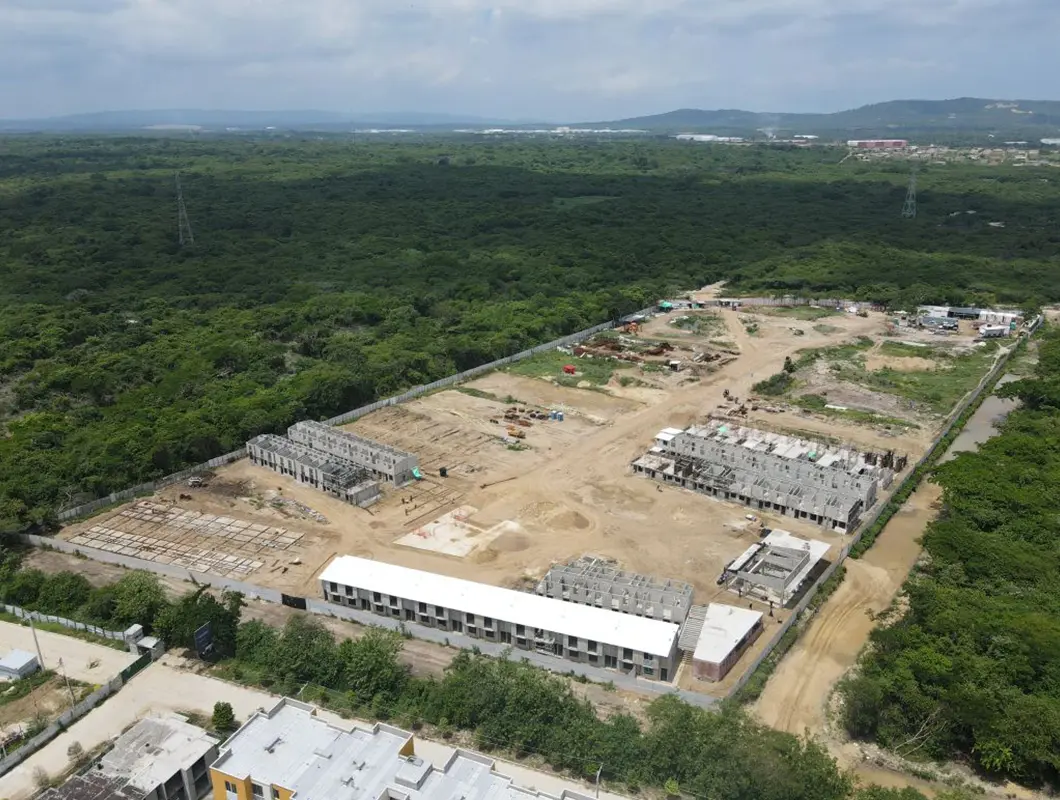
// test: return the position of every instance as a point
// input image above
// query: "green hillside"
(1030, 118)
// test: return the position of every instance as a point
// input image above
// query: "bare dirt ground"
(568, 492)
(795, 696)
(45, 702)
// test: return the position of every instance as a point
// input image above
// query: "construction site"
(769, 471)
(525, 470)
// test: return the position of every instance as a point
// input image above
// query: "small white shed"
(18, 664)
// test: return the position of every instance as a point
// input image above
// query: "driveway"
(163, 687)
(83, 661)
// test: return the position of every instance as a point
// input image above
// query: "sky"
(547, 60)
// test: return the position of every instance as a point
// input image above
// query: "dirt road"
(83, 661)
(794, 699)
(164, 688)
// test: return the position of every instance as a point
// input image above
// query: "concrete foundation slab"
(452, 534)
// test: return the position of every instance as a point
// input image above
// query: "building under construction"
(775, 569)
(382, 461)
(594, 581)
(831, 487)
(352, 484)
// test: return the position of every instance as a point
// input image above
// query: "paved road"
(83, 661)
(162, 687)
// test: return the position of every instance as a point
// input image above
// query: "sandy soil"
(83, 661)
(795, 697)
(569, 493)
(166, 686)
(47, 701)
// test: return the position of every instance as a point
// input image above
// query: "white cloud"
(550, 58)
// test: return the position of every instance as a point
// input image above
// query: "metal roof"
(521, 608)
(723, 628)
(17, 661)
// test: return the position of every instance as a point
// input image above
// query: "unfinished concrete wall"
(596, 582)
(768, 471)
(382, 460)
(350, 484)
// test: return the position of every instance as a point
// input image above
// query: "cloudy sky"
(555, 60)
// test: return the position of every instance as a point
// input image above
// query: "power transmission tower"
(909, 209)
(184, 233)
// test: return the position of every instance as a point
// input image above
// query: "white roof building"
(18, 664)
(656, 637)
(288, 751)
(724, 629)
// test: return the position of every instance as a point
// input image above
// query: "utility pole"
(909, 209)
(66, 678)
(40, 658)
(184, 234)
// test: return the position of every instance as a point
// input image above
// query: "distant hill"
(244, 120)
(894, 118)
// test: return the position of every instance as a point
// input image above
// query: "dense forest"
(969, 667)
(325, 274)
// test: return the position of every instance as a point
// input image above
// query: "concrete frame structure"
(726, 633)
(774, 569)
(287, 753)
(350, 484)
(769, 471)
(159, 758)
(586, 634)
(381, 460)
(593, 581)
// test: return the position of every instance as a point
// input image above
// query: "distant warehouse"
(878, 144)
(583, 633)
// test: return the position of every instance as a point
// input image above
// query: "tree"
(370, 665)
(41, 778)
(224, 718)
(76, 753)
(177, 623)
(138, 599)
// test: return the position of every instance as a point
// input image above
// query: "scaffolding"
(594, 581)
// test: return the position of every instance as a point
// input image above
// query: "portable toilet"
(559, 416)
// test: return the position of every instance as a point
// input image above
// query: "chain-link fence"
(145, 489)
(940, 443)
(36, 616)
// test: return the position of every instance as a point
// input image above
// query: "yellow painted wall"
(217, 780)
